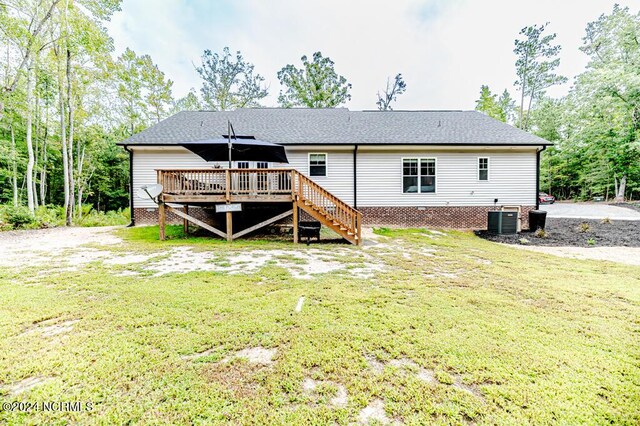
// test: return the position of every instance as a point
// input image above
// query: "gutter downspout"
(133, 217)
(538, 152)
(355, 176)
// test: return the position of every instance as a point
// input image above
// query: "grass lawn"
(451, 329)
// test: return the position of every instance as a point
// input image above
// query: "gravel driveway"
(589, 211)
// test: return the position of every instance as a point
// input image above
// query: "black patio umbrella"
(240, 150)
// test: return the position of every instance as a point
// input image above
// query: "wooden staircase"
(328, 209)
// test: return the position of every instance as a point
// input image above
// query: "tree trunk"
(80, 182)
(43, 169)
(72, 189)
(36, 150)
(14, 166)
(526, 122)
(31, 158)
(621, 190)
(523, 77)
(63, 141)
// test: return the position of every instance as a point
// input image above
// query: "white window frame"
(478, 169)
(326, 164)
(435, 191)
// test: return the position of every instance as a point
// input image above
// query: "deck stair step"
(328, 209)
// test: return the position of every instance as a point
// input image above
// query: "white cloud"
(445, 49)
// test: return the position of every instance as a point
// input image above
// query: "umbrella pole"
(229, 136)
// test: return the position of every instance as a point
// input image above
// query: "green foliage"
(52, 216)
(17, 217)
(498, 108)
(315, 85)
(190, 102)
(227, 83)
(537, 59)
(596, 127)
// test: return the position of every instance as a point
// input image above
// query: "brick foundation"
(467, 217)
(459, 217)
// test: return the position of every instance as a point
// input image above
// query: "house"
(408, 168)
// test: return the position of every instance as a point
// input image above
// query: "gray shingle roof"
(301, 126)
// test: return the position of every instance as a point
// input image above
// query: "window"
(483, 168)
(317, 164)
(418, 175)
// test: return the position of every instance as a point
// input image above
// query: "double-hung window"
(418, 175)
(317, 164)
(483, 168)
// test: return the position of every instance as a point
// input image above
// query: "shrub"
(523, 241)
(19, 217)
(110, 218)
(591, 242)
(541, 233)
(606, 220)
(584, 227)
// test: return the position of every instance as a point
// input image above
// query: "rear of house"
(407, 168)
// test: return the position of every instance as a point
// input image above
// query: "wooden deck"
(218, 186)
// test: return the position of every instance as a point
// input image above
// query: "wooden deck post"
(185, 222)
(295, 222)
(229, 227)
(161, 220)
(227, 179)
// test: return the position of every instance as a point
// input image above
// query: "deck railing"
(328, 205)
(257, 183)
(225, 181)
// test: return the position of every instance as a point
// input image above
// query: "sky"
(445, 49)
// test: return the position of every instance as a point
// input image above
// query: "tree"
(188, 103)
(535, 65)
(158, 88)
(498, 108)
(24, 26)
(229, 84)
(608, 93)
(391, 92)
(315, 85)
(507, 106)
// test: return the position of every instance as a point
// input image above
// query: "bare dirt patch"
(373, 412)
(27, 384)
(258, 355)
(303, 264)
(51, 327)
(23, 247)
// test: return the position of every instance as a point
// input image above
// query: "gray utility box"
(503, 222)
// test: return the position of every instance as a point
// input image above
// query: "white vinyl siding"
(513, 179)
(512, 175)
(339, 178)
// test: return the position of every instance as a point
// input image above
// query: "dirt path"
(626, 255)
(20, 247)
